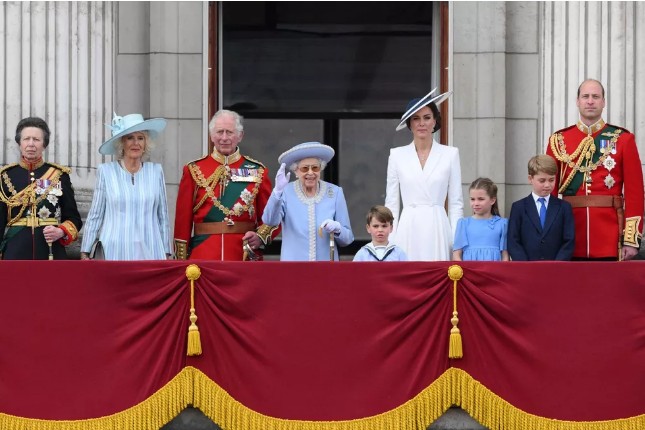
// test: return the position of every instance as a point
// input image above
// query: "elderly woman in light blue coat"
(312, 212)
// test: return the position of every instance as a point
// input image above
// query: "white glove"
(281, 180)
(330, 226)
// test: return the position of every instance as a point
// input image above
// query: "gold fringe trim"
(455, 349)
(494, 412)
(453, 387)
(229, 414)
(153, 413)
(194, 341)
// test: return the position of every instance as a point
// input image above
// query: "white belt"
(414, 205)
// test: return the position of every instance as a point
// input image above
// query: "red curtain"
(87, 339)
(322, 341)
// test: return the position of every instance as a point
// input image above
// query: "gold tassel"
(455, 349)
(194, 341)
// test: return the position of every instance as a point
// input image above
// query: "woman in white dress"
(420, 176)
(129, 213)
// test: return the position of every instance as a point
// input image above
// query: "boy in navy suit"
(541, 226)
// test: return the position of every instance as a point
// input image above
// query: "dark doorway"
(336, 72)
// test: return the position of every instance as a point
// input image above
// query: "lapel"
(551, 212)
(531, 211)
(433, 159)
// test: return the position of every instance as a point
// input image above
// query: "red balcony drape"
(322, 342)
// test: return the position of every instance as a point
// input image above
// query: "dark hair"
(592, 80)
(33, 121)
(435, 113)
(490, 188)
(381, 213)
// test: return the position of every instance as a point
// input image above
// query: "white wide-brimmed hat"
(123, 125)
(307, 150)
(416, 104)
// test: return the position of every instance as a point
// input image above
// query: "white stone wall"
(480, 89)
(57, 61)
(74, 63)
(159, 72)
(599, 40)
(516, 69)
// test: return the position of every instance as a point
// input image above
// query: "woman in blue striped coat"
(129, 213)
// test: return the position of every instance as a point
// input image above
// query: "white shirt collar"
(536, 197)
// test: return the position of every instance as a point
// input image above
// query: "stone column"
(160, 72)
(599, 40)
(57, 64)
(479, 99)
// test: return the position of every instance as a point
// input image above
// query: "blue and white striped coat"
(130, 217)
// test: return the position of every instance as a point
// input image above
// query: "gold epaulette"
(60, 167)
(564, 129)
(7, 167)
(624, 130)
(254, 160)
(4, 198)
(198, 159)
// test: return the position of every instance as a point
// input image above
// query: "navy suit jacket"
(528, 241)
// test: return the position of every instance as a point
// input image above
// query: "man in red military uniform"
(599, 173)
(221, 199)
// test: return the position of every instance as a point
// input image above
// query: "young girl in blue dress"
(481, 237)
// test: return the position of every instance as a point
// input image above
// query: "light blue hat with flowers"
(124, 125)
(307, 150)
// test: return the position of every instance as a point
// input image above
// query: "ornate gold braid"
(585, 150)
(209, 184)
(264, 233)
(202, 182)
(23, 197)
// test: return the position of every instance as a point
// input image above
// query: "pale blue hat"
(416, 104)
(307, 150)
(123, 125)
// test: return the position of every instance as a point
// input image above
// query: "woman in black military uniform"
(38, 213)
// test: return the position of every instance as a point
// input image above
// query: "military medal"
(603, 145)
(41, 185)
(245, 175)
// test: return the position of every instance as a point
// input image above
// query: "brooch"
(609, 163)
(609, 181)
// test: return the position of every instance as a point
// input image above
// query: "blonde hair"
(542, 164)
(119, 144)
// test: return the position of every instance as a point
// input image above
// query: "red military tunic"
(601, 160)
(219, 199)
